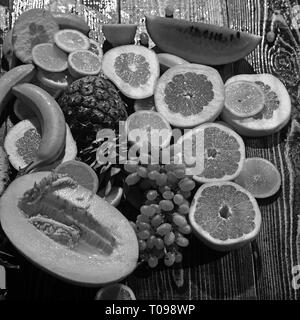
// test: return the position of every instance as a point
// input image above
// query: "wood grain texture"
(262, 270)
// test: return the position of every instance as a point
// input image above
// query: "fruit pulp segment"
(221, 154)
(225, 212)
(188, 93)
(27, 146)
(72, 40)
(85, 61)
(133, 69)
(49, 56)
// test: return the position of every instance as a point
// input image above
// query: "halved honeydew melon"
(84, 264)
(276, 113)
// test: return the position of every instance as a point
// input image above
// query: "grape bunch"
(162, 224)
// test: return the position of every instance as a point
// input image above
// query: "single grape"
(142, 245)
(133, 226)
(132, 179)
(144, 39)
(166, 205)
(172, 179)
(130, 166)
(143, 235)
(186, 194)
(161, 179)
(164, 189)
(156, 208)
(169, 259)
(178, 257)
(159, 243)
(184, 209)
(169, 238)
(187, 184)
(163, 229)
(187, 229)
(271, 36)
(142, 218)
(152, 175)
(152, 262)
(179, 173)
(152, 195)
(178, 199)
(179, 220)
(182, 241)
(143, 225)
(168, 195)
(151, 242)
(156, 220)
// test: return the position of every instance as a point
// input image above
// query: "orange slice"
(83, 63)
(244, 99)
(225, 216)
(260, 177)
(49, 57)
(148, 127)
(70, 40)
(80, 172)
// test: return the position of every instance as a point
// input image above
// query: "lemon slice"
(70, 40)
(83, 63)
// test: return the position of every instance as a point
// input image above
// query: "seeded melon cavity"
(67, 230)
(133, 69)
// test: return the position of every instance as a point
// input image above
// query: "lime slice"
(70, 40)
(244, 99)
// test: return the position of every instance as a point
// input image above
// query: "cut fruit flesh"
(199, 42)
(119, 34)
(275, 114)
(70, 40)
(148, 127)
(221, 153)
(84, 63)
(115, 292)
(224, 216)
(244, 99)
(109, 226)
(133, 69)
(189, 95)
(260, 177)
(49, 57)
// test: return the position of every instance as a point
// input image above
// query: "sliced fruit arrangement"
(119, 34)
(148, 128)
(51, 120)
(162, 225)
(133, 69)
(115, 292)
(244, 99)
(275, 114)
(23, 140)
(190, 94)
(219, 149)
(91, 234)
(199, 42)
(225, 216)
(71, 21)
(31, 28)
(81, 173)
(49, 57)
(83, 63)
(260, 177)
(70, 40)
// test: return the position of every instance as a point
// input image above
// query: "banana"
(11, 78)
(71, 21)
(51, 119)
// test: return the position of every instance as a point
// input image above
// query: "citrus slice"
(83, 63)
(260, 177)
(49, 57)
(275, 114)
(133, 69)
(80, 172)
(95, 47)
(114, 197)
(224, 216)
(244, 99)
(148, 127)
(189, 95)
(70, 40)
(119, 34)
(22, 142)
(144, 104)
(31, 28)
(54, 80)
(212, 152)
(115, 292)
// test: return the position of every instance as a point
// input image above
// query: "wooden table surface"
(266, 268)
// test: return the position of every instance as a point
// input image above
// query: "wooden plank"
(277, 241)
